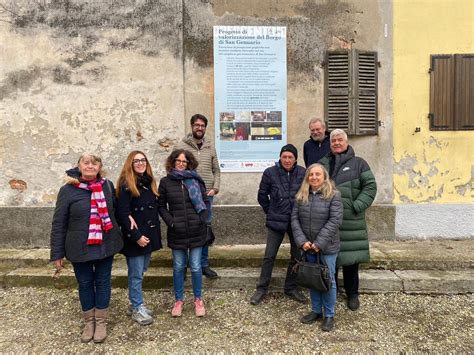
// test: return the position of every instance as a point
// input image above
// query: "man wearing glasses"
(208, 169)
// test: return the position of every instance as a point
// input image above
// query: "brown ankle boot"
(89, 322)
(100, 332)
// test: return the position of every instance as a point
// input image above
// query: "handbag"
(312, 275)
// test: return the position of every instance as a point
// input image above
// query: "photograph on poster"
(273, 116)
(258, 116)
(243, 116)
(226, 116)
(242, 131)
(227, 131)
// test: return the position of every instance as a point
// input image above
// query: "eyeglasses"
(139, 161)
(179, 161)
(197, 125)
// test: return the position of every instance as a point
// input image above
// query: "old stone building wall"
(112, 76)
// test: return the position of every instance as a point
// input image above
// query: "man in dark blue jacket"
(276, 195)
(317, 146)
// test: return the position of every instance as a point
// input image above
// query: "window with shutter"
(351, 91)
(452, 92)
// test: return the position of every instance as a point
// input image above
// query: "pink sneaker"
(177, 309)
(199, 307)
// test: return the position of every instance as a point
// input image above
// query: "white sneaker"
(140, 316)
(147, 310)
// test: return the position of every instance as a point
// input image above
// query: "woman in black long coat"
(137, 213)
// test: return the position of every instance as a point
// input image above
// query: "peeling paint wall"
(111, 76)
(101, 76)
(430, 166)
(313, 27)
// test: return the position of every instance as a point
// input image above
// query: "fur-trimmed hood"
(72, 176)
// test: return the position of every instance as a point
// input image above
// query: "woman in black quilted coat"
(182, 205)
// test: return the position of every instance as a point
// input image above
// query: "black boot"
(209, 273)
(311, 317)
(257, 297)
(328, 324)
(353, 302)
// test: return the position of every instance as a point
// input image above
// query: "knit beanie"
(289, 148)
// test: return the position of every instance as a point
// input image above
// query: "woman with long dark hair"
(137, 213)
(182, 205)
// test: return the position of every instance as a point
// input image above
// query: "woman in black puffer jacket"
(315, 221)
(182, 205)
(137, 213)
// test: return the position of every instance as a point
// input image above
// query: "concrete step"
(445, 255)
(435, 266)
(371, 281)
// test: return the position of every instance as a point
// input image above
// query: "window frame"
(351, 91)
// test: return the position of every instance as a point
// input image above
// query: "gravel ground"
(49, 320)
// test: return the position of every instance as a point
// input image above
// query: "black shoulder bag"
(313, 275)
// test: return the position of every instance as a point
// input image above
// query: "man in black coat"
(276, 195)
(318, 145)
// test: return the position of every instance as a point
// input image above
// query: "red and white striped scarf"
(99, 219)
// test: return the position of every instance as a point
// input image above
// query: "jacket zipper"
(289, 187)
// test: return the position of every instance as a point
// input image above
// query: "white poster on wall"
(250, 97)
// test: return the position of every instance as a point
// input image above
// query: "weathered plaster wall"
(102, 76)
(313, 27)
(430, 166)
(112, 76)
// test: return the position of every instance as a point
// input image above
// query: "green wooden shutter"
(442, 93)
(464, 92)
(351, 91)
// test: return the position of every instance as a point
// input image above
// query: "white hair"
(338, 132)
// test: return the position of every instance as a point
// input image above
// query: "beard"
(318, 138)
(198, 135)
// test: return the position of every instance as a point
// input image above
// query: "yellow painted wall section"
(430, 166)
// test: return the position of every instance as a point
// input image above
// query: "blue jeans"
(137, 266)
(324, 301)
(93, 278)
(205, 248)
(180, 258)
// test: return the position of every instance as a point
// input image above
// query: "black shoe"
(296, 295)
(353, 303)
(311, 317)
(328, 324)
(257, 297)
(209, 273)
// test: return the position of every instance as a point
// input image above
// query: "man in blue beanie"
(276, 195)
